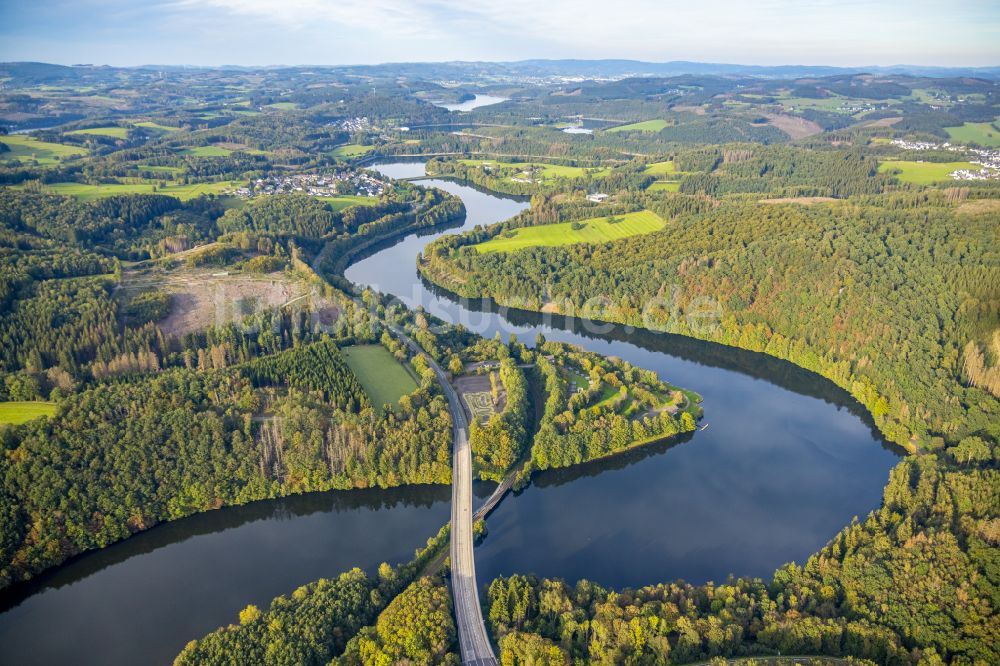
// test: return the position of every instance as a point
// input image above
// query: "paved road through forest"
(473, 640)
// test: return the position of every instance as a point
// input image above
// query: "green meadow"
(593, 230)
(665, 186)
(351, 150)
(543, 170)
(148, 124)
(384, 379)
(343, 201)
(207, 151)
(923, 173)
(984, 134)
(86, 192)
(113, 132)
(832, 103)
(24, 148)
(661, 169)
(282, 106)
(21, 412)
(654, 125)
(927, 96)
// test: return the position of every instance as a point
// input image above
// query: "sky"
(334, 32)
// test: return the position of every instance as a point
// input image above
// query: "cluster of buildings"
(354, 125)
(917, 145)
(990, 170)
(853, 108)
(987, 158)
(339, 183)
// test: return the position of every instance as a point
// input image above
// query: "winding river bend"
(787, 460)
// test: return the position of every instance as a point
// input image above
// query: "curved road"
(473, 640)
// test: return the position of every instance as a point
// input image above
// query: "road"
(473, 641)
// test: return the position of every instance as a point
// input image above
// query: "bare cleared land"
(477, 396)
(797, 128)
(204, 297)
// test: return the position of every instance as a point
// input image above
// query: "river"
(787, 460)
(141, 600)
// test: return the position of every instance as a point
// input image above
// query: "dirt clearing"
(201, 298)
(797, 128)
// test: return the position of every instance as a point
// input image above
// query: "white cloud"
(841, 32)
(406, 18)
(653, 29)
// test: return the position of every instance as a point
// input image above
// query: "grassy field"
(832, 103)
(25, 148)
(343, 201)
(665, 186)
(86, 192)
(982, 133)
(924, 173)
(384, 379)
(661, 169)
(20, 412)
(930, 96)
(282, 106)
(207, 151)
(594, 230)
(113, 132)
(608, 396)
(645, 126)
(544, 171)
(148, 124)
(351, 150)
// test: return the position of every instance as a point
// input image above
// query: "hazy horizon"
(280, 65)
(260, 33)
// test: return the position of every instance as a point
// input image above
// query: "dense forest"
(500, 442)
(153, 426)
(582, 424)
(786, 233)
(182, 441)
(881, 296)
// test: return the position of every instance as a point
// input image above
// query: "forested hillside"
(176, 327)
(895, 298)
(881, 296)
(153, 426)
(124, 455)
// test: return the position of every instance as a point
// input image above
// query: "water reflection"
(141, 600)
(474, 103)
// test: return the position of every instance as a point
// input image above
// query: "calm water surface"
(140, 601)
(475, 103)
(786, 461)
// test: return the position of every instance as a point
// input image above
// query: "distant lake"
(578, 130)
(474, 103)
